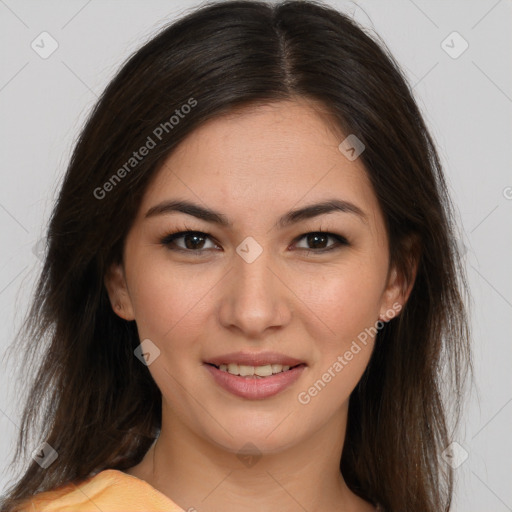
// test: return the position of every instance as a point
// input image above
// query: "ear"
(400, 283)
(115, 283)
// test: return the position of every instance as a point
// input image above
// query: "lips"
(254, 375)
(254, 387)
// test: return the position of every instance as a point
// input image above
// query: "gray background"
(466, 101)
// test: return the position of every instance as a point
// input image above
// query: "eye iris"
(196, 237)
(313, 240)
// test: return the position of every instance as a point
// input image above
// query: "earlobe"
(115, 283)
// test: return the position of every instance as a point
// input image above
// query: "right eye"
(193, 241)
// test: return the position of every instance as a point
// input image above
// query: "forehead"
(264, 158)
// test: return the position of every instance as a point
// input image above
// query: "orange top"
(110, 490)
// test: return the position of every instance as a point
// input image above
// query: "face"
(251, 278)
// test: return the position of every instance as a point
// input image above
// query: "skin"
(253, 167)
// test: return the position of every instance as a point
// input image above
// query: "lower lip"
(255, 388)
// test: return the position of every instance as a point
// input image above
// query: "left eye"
(319, 238)
(195, 241)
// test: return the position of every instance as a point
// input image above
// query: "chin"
(255, 439)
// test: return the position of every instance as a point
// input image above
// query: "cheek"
(166, 297)
(169, 306)
(348, 304)
(346, 298)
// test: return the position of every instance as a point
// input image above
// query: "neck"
(197, 474)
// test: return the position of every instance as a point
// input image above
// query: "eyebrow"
(289, 218)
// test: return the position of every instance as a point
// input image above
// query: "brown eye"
(192, 241)
(318, 241)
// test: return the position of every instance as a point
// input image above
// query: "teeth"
(245, 371)
(259, 371)
(263, 371)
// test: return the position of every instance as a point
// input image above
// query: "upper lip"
(254, 359)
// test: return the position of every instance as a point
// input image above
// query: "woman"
(251, 283)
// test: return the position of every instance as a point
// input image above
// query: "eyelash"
(168, 241)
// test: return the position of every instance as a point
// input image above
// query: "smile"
(254, 382)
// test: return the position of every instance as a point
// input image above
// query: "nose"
(254, 298)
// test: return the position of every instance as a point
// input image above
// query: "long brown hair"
(90, 398)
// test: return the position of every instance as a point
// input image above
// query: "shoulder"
(109, 491)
